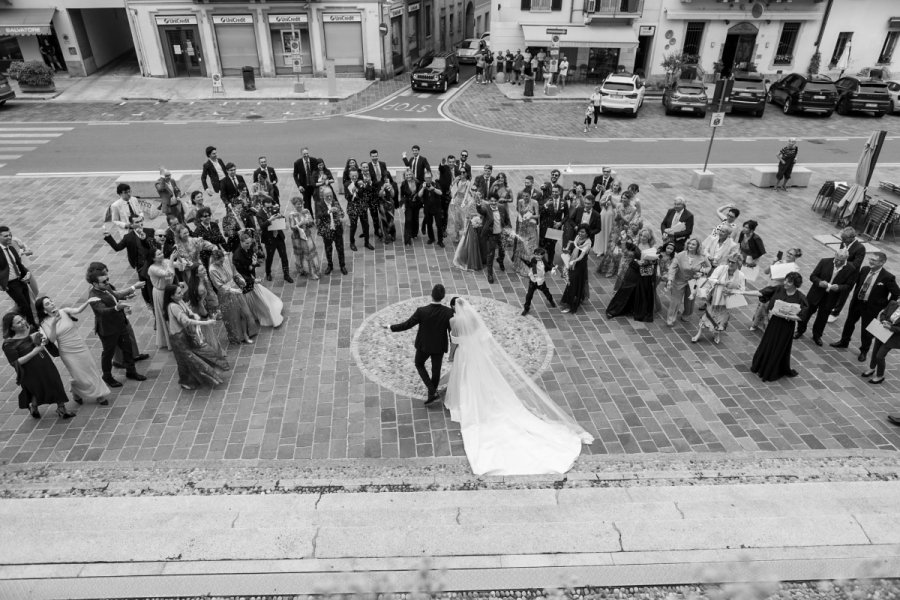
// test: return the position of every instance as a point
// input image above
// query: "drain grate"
(253, 117)
(661, 185)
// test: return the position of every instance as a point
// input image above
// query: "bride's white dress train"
(509, 425)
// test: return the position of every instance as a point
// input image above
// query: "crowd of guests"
(199, 277)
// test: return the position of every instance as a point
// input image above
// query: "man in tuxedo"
(140, 247)
(305, 177)
(14, 276)
(446, 175)
(379, 173)
(485, 181)
(271, 175)
(430, 196)
(121, 211)
(828, 282)
(602, 183)
(678, 224)
(856, 255)
(232, 185)
(547, 187)
(111, 323)
(875, 287)
(213, 171)
(493, 220)
(273, 240)
(417, 164)
(169, 195)
(463, 167)
(586, 215)
(431, 338)
(551, 217)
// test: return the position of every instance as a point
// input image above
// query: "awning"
(25, 21)
(712, 15)
(579, 36)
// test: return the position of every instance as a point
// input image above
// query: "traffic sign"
(718, 118)
(383, 29)
(297, 64)
(295, 47)
(218, 87)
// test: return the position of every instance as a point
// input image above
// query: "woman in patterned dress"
(303, 229)
(239, 322)
(527, 236)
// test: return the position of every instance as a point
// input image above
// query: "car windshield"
(747, 81)
(813, 86)
(873, 88)
(434, 63)
(690, 89)
(618, 87)
(471, 44)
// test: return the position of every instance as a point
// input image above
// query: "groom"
(431, 339)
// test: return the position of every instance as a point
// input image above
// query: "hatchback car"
(894, 93)
(748, 93)
(800, 93)
(685, 97)
(862, 95)
(468, 50)
(622, 92)
(6, 92)
(435, 72)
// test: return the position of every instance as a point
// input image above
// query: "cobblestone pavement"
(200, 110)
(297, 393)
(486, 106)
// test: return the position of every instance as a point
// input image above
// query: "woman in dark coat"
(409, 198)
(577, 290)
(773, 355)
(623, 301)
(35, 371)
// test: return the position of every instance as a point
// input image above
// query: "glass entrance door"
(184, 52)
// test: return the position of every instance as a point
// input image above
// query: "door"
(184, 52)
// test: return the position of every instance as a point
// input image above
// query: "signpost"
(296, 61)
(721, 96)
(218, 86)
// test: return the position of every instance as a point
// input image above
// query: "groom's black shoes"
(432, 398)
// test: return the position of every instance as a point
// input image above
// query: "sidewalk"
(469, 540)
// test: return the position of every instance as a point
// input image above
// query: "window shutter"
(526, 4)
(556, 5)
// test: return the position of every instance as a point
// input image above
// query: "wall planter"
(36, 77)
(36, 89)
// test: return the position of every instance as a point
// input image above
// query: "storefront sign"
(396, 11)
(645, 30)
(557, 31)
(342, 18)
(24, 30)
(288, 19)
(177, 20)
(412, 8)
(233, 19)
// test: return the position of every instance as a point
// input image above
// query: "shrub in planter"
(14, 67)
(36, 74)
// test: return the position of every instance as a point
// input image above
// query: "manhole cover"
(661, 185)
(253, 117)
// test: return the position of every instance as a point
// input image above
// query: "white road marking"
(175, 123)
(30, 135)
(5, 129)
(31, 141)
(109, 123)
(17, 149)
(393, 120)
(10, 156)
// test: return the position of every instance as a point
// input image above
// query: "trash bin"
(529, 87)
(370, 71)
(249, 79)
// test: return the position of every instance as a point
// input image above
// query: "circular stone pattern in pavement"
(387, 358)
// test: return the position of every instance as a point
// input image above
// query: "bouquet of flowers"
(476, 221)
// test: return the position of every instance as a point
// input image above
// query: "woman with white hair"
(786, 159)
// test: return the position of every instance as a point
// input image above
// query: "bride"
(509, 425)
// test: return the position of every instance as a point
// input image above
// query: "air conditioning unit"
(590, 6)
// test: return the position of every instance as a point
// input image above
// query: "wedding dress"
(509, 425)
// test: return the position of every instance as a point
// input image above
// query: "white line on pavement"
(30, 135)
(108, 123)
(31, 141)
(17, 148)
(10, 156)
(4, 129)
(174, 122)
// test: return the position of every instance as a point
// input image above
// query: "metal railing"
(614, 7)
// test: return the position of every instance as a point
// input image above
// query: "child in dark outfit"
(539, 268)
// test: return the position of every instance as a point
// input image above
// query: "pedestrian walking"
(588, 115)
(563, 72)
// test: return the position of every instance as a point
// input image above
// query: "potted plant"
(12, 71)
(35, 76)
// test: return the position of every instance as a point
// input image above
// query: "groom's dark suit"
(431, 340)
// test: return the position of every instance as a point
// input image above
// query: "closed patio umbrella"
(864, 169)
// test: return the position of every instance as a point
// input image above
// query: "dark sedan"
(801, 93)
(862, 95)
(6, 92)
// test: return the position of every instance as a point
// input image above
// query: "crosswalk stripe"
(31, 141)
(17, 148)
(10, 156)
(36, 128)
(29, 135)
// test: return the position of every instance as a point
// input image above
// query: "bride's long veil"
(468, 322)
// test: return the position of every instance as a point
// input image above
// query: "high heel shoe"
(62, 413)
(695, 339)
(78, 400)
(716, 339)
(868, 373)
(33, 409)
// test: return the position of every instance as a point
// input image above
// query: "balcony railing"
(614, 8)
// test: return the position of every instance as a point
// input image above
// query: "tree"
(674, 62)
(815, 61)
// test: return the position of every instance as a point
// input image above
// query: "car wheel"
(456, 79)
(758, 114)
(2, 102)
(786, 107)
(828, 114)
(703, 114)
(634, 114)
(770, 98)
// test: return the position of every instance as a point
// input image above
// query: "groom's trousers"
(431, 381)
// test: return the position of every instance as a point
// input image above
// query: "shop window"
(887, 51)
(343, 43)
(840, 46)
(784, 55)
(693, 37)
(237, 48)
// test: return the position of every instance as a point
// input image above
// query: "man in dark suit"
(463, 167)
(305, 177)
(140, 247)
(586, 215)
(378, 172)
(431, 339)
(678, 224)
(484, 182)
(446, 175)
(271, 175)
(169, 195)
(273, 239)
(551, 216)
(232, 185)
(493, 220)
(829, 280)
(856, 251)
(875, 287)
(547, 187)
(14, 276)
(111, 323)
(602, 183)
(417, 164)
(431, 196)
(213, 171)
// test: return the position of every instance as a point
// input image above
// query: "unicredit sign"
(177, 20)
(233, 19)
(342, 18)
(288, 19)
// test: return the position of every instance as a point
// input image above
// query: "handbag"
(52, 349)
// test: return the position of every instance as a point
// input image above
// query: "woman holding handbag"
(725, 281)
(198, 363)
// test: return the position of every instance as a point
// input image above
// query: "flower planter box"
(36, 89)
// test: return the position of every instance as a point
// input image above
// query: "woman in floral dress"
(456, 214)
(303, 230)
(527, 237)
(628, 212)
(726, 280)
(239, 322)
(607, 209)
(198, 362)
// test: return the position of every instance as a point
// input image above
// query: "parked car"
(468, 50)
(862, 95)
(748, 93)
(6, 92)
(801, 93)
(435, 72)
(894, 93)
(685, 97)
(622, 92)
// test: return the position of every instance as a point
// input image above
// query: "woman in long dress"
(761, 316)
(162, 273)
(772, 359)
(509, 425)
(724, 281)
(607, 209)
(527, 237)
(468, 251)
(239, 322)
(456, 213)
(577, 290)
(386, 208)
(265, 306)
(303, 240)
(58, 325)
(623, 301)
(35, 372)
(197, 361)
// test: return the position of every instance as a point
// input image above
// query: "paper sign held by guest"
(735, 301)
(553, 234)
(781, 269)
(881, 333)
(750, 273)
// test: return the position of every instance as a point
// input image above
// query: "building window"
(477, 25)
(693, 37)
(451, 25)
(887, 51)
(843, 41)
(784, 55)
(428, 20)
(540, 5)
